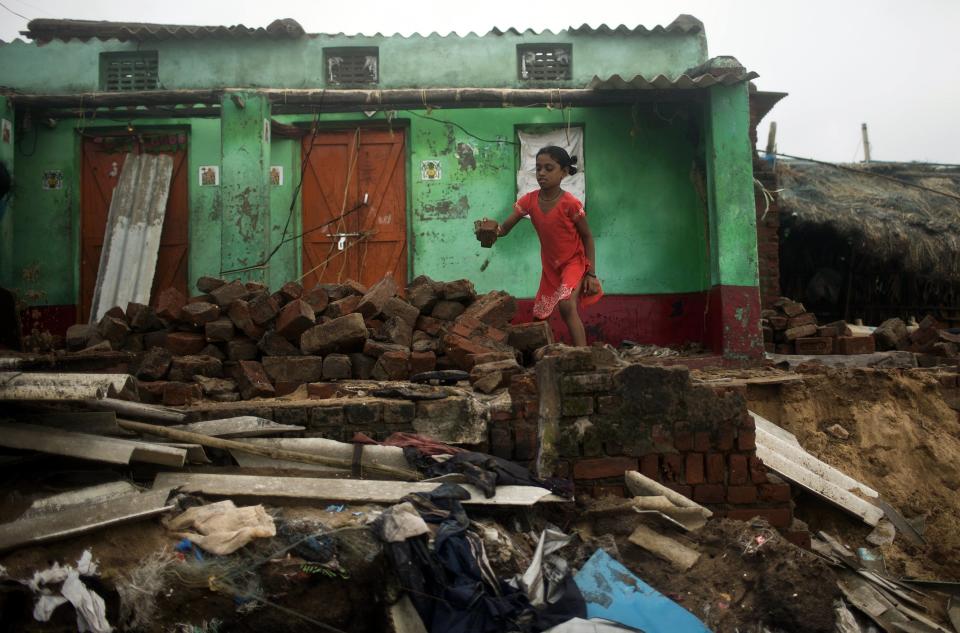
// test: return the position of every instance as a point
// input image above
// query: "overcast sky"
(892, 64)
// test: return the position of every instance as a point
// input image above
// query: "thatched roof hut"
(888, 234)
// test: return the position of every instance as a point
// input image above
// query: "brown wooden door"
(103, 159)
(341, 168)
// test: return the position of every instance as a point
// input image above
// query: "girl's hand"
(591, 286)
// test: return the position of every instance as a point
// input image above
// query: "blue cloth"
(615, 594)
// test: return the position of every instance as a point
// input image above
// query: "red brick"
(709, 493)
(525, 442)
(200, 313)
(523, 385)
(495, 308)
(683, 441)
(239, 313)
(252, 380)
(226, 294)
(291, 290)
(662, 436)
(746, 421)
(814, 345)
(856, 345)
(777, 517)
(151, 392)
(342, 307)
(429, 325)
(293, 369)
(501, 443)
(178, 394)
(295, 319)
(803, 319)
(758, 472)
(345, 334)
(218, 331)
(672, 467)
(337, 367)
(528, 337)
(650, 466)
(462, 350)
(322, 390)
(392, 366)
(376, 297)
(185, 343)
(693, 473)
(317, 298)
(422, 361)
(207, 284)
(263, 309)
(738, 473)
(747, 440)
(603, 467)
(716, 468)
(726, 435)
(701, 441)
(741, 494)
(775, 493)
(170, 303)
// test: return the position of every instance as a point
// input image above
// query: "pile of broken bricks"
(789, 329)
(238, 341)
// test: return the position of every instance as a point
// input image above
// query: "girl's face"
(549, 172)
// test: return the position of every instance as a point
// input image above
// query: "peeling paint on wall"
(445, 210)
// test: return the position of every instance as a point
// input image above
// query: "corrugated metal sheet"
(128, 260)
(662, 82)
(43, 29)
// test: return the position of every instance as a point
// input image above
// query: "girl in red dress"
(566, 245)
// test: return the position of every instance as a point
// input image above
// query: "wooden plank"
(20, 386)
(346, 490)
(84, 518)
(93, 447)
(240, 426)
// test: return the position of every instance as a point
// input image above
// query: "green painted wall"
(733, 231)
(417, 61)
(245, 187)
(642, 205)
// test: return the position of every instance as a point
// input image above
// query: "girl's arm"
(509, 223)
(592, 285)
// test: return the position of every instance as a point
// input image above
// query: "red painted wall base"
(726, 320)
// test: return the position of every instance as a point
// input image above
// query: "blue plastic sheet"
(615, 594)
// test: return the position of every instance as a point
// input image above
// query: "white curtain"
(570, 139)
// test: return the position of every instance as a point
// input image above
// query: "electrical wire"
(14, 12)
(865, 172)
(460, 127)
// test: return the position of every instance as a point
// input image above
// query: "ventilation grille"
(355, 66)
(129, 71)
(545, 62)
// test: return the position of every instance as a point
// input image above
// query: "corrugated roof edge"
(45, 29)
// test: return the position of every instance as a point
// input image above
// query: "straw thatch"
(895, 226)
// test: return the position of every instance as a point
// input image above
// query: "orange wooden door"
(342, 168)
(102, 164)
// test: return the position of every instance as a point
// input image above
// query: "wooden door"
(103, 159)
(370, 242)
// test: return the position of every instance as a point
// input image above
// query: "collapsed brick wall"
(598, 418)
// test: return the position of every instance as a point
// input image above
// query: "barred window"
(352, 66)
(545, 62)
(133, 70)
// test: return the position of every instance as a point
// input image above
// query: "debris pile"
(929, 340)
(789, 329)
(239, 341)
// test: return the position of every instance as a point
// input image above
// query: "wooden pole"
(866, 143)
(264, 451)
(772, 139)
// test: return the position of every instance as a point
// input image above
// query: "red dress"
(561, 250)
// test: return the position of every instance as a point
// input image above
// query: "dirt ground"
(904, 442)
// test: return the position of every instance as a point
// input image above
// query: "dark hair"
(561, 156)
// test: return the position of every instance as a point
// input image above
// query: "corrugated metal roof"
(724, 70)
(43, 29)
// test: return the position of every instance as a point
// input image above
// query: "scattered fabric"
(401, 522)
(615, 594)
(222, 528)
(91, 610)
(543, 579)
(487, 472)
(423, 444)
